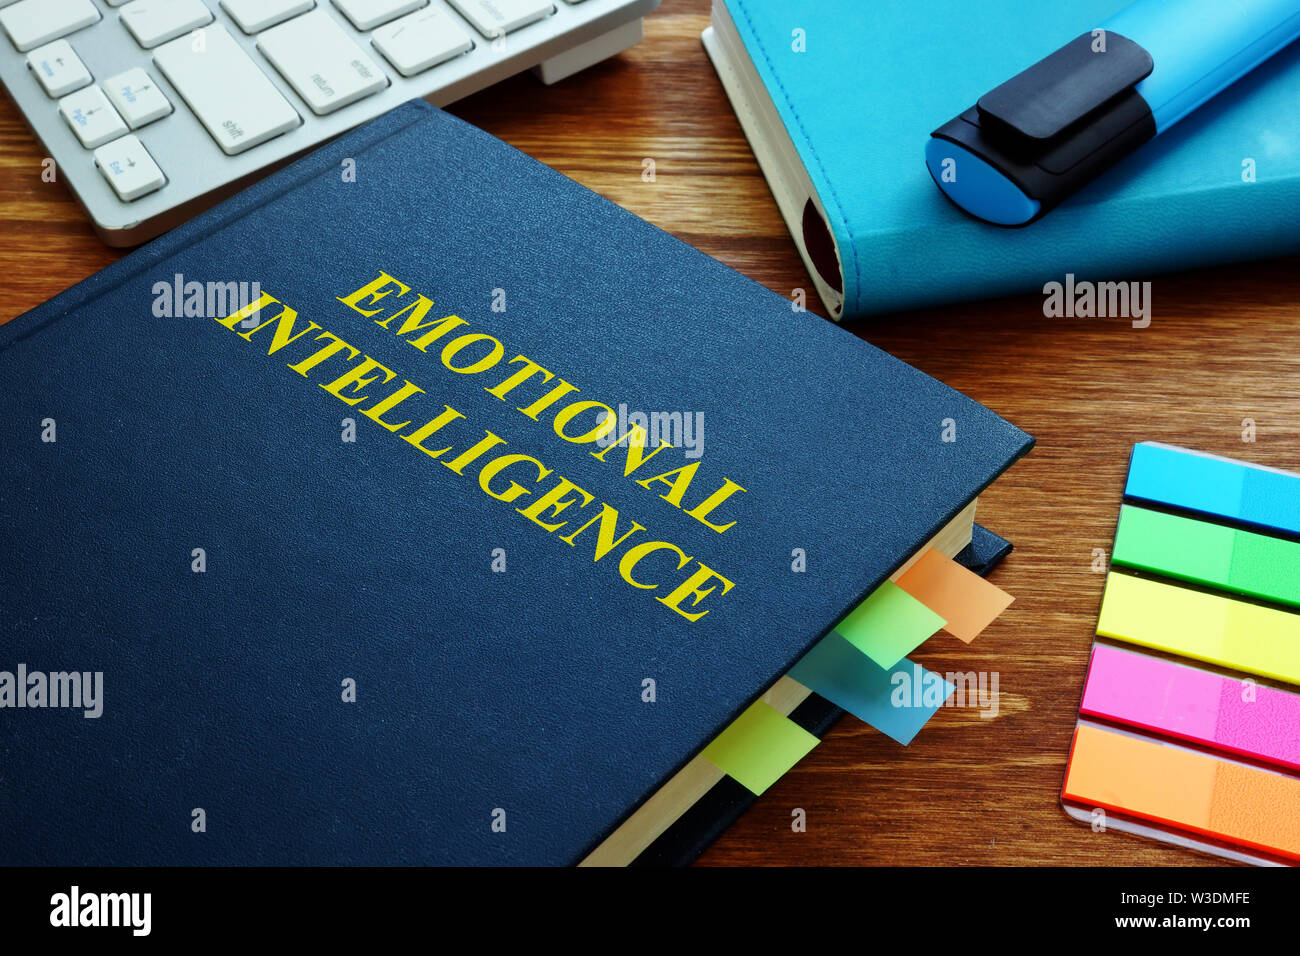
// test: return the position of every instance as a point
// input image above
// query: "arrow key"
(92, 117)
(129, 168)
(58, 68)
(137, 97)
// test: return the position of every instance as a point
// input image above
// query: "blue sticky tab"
(1272, 499)
(1215, 486)
(898, 702)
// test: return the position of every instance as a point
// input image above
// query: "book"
(839, 126)
(399, 557)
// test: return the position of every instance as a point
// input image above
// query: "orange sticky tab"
(1136, 776)
(1258, 808)
(961, 597)
(1186, 789)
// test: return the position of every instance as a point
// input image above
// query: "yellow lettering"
(377, 410)
(418, 436)
(636, 553)
(374, 291)
(549, 399)
(248, 311)
(283, 326)
(311, 361)
(492, 468)
(701, 511)
(555, 500)
(357, 379)
(436, 329)
(676, 486)
(606, 425)
(605, 540)
(636, 455)
(693, 587)
(519, 377)
(458, 463)
(483, 364)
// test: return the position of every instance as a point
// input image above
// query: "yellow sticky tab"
(759, 746)
(1207, 627)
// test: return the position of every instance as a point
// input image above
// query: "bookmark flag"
(889, 624)
(965, 601)
(898, 702)
(759, 746)
(1202, 552)
(1201, 625)
(1189, 789)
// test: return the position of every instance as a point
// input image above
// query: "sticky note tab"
(1211, 554)
(898, 701)
(966, 602)
(1206, 627)
(759, 746)
(1184, 789)
(889, 624)
(1224, 487)
(1233, 715)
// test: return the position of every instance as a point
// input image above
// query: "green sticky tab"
(1266, 567)
(759, 746)
(1210, 554)
(1173, 545)
(889, 625)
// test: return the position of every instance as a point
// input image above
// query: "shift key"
(321, 62)
(228, 92)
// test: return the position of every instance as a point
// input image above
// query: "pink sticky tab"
(1260, 721)
(1233, 715)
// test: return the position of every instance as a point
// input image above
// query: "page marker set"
(860, 667)
(1189, 725)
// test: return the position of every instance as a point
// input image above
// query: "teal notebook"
(838, 98)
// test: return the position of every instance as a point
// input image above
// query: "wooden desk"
(1218, 351)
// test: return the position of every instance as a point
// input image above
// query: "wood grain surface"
(1219, 349)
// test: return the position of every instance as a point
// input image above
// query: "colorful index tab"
(1231, 714)
(759, 746)
(897, 701)
(1206, 627)
(1223, 487)
(1185, 789)
(1211, 554)
(889, 624)
(965, 601)
(1222, 530)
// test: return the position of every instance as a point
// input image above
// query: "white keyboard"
(154, 110)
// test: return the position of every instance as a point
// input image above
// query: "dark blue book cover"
(378, 567)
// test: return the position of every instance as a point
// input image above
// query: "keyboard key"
(321, 62)
(253, 16)
(228, 92)
(92, 117)
(129, 168)
(494, 18)
(152, 22)
(137, 97)
(58, 68)
(420, 41)
(367, 14)
(32, 23)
